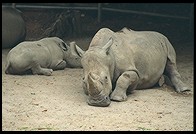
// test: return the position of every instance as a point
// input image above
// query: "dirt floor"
(57, 102)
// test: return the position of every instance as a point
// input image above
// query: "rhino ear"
(79, 51)
(75, 49)
(63, 46)
(108, 45)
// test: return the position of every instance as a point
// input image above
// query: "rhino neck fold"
(112, 65)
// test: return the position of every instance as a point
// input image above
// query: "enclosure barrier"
(100, 9)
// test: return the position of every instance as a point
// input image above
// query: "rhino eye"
(84, 85)
(106, 79)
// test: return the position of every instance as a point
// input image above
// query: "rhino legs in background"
(175, 77)
(130, 78)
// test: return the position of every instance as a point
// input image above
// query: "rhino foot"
(48, 72)
(183, 89)
(118, 97)
(180, 86)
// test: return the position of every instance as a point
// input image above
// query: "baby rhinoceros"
(43, 56)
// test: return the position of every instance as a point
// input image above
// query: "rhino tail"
(8, 68)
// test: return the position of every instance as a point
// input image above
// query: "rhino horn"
(92, 80)
(75, 49)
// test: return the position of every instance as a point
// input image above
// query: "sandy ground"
(57, 102)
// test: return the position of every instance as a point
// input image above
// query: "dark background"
(175, 20)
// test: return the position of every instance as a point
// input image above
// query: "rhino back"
(30, 52)
(13, 27)
(101, 37)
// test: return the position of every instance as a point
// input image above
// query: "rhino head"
(73, 55)
(98, 67)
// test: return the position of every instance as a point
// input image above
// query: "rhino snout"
(101, 101)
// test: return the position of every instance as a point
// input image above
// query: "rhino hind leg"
(15, 69)
(175, 77)
(127, 79)
(37, 69)
(7, 68)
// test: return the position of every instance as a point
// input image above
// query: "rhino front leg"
(37, 69)
(61, 65)
(175, 77)
(128, 78)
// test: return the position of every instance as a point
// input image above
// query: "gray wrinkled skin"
(127, 60)
(43, 56)
(13, 27)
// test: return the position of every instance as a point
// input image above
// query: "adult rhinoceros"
(128, 60)
(13, 27)
(43, 56)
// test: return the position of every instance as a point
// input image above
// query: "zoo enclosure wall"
(130, 8)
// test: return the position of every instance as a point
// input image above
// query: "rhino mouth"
(100, 101)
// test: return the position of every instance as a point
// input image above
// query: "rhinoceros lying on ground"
(127, 60)
(43, 56)
(13, 27)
